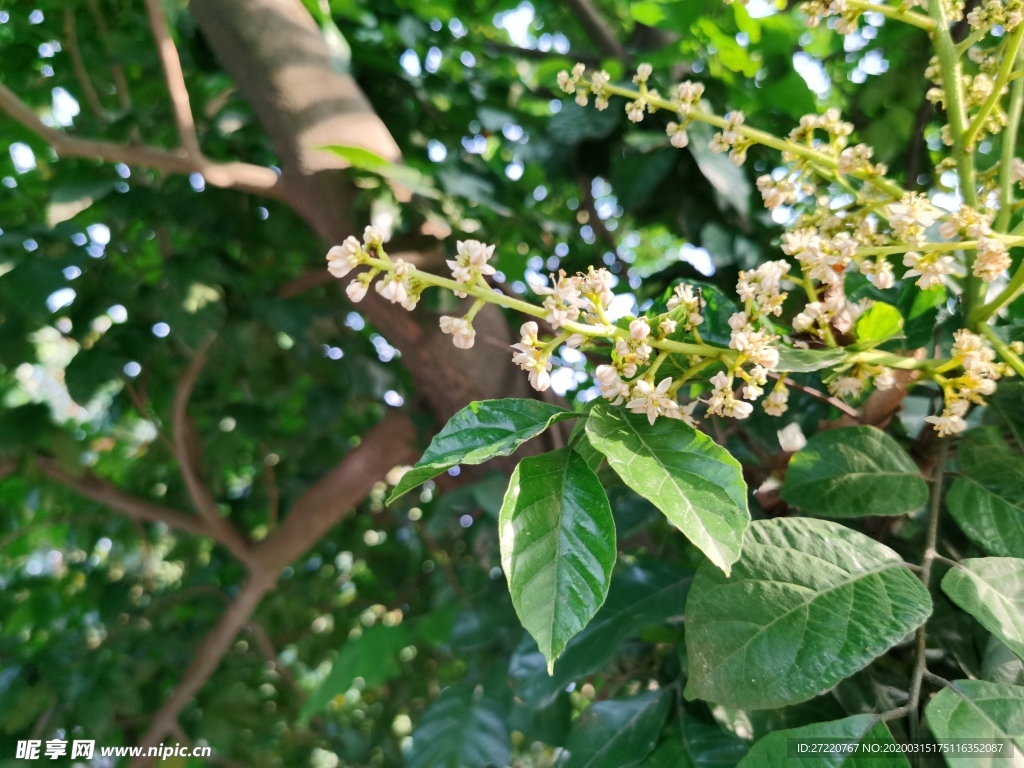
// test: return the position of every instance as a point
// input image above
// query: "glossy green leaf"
(880, 322)
(991, 589)
(616, 733)
(557, 546)
(479, 432)
(464, 728)
(365, 160)
(684, 473)
(729, 182)
(698, 746)
(794, 360)
(774, 750)
(370, 656)
(852, 472)
(809, 603)
(1001, 665)
(987, 500)
(920, 308)
(979, 710)
(639, 596)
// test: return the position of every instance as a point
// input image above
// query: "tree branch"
(175, 79)
(186, 443)
(92, 98)
(244, 177)
(205, 661)
(596, 29)
(97, 489)
(336, 494)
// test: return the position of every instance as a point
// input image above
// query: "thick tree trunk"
(282, 66)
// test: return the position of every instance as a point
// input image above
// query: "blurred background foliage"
(392, 640)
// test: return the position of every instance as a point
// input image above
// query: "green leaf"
(773, 750)
(880, 322)
(699, 746)
(806, 360)
(987, 500)
(991, 589)
(365, 160)
(978, 710)
(617, 733)
(810, 602)
(639, 597)
(920, 308)
(1001, 665)
(370, 656)
(464, 728)
(684, 473)
(852, 472)
(730, 182)
(479, 432)
(557, 546)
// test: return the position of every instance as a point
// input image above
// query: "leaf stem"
(1013, 113)
(913, 18)
(951, 69)
(931, 538)
(1005, 67)
(1004, 351)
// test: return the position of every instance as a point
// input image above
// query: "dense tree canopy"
(206, 535)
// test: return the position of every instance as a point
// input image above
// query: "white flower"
(639, 330)
(599, 81)
(597, 284)
(395, 286)
(373, 238)
(667, 327)
(356, 290)
(776, 402)
(992, 260)
(342, 259)
(564, 300)
(791, 438)
(643, 72)
(885, 379)
(931, 267)
(847, 386)
(653, 401)
(612, 386)
(461, 329)
(879, 272)
(471, 261)
(948, 423)
(677, 135)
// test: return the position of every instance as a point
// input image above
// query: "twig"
(124, 99)
(205, 661)
(835, 402)
(92, 98)
(244, 177)
(273, 496)
(175, 79)
(186, 443)
(263, 644)
(926, 572)
(596, 29)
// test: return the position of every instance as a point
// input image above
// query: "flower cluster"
(533, 356)
(978, 380)
(846, 216)
(731, 139)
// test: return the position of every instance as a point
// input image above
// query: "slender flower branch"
(1009, 58)
(761, 137)
(898, 13)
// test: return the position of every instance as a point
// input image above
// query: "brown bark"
(282, 66)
